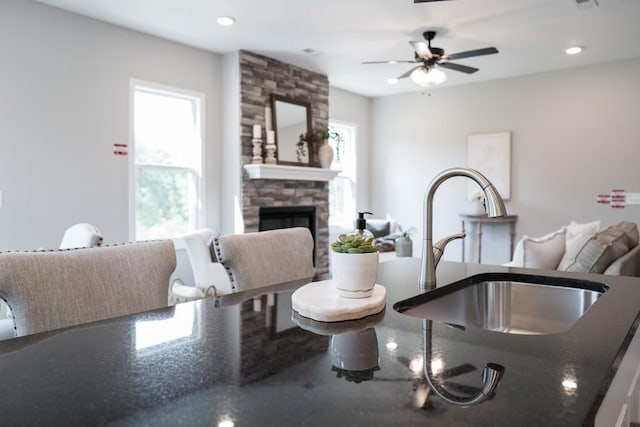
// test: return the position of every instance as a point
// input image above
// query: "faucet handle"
(438, 248)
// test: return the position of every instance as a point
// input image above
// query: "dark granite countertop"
(242, 358)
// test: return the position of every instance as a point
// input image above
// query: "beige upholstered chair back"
(54, 289)
(265, 258)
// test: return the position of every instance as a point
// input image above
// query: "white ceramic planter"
(354, 275)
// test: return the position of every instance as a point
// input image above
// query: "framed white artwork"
(490, 154)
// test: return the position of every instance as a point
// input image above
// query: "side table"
(478, 221)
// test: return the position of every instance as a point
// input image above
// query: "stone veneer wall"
(261, 76)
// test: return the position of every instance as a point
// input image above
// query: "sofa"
(385, 231)
(583, 248)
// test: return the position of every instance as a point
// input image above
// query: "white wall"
(575, 134)
(64, 102)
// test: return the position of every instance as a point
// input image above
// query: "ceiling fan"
(430, 58)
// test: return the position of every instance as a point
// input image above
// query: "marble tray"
(335, 328)
(320, 301)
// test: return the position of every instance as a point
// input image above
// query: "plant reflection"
(354, 355)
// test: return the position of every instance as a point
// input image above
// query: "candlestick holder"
(271, 154)
(257, 151)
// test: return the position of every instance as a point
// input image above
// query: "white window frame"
(136, 84)
(342, 227)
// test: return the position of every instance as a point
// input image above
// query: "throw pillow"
(540, 252)
(379, 227)
(575, 230)
(594, 253)
(630, 229)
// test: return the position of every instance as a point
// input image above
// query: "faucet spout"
(491, 375)
(494, 207)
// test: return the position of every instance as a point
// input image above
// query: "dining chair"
(209, 276)
(54, 289)
(81, 235)
(264, 258)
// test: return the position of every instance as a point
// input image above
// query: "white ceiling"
(531, 35)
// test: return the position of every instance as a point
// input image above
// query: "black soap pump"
(361, 226)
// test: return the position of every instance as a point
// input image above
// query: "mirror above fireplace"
(291, 118)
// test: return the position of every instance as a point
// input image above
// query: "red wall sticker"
(120, 149)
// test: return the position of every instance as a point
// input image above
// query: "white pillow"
(540, 252)
(575, 230)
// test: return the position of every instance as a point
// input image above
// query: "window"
(167, 139)
(342, 197)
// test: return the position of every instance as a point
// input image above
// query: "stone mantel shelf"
(300, 173)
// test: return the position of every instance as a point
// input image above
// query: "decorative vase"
(325, 154)
(477, 207)
(404, 247)
(354, 275)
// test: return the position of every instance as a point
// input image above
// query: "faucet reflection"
(431, 254)
(491, 375)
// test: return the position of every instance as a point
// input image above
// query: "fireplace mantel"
(300, 173)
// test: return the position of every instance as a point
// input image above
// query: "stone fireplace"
(260, 77)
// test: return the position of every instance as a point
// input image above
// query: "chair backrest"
(54, 289)
(81, 235)
(265, 258)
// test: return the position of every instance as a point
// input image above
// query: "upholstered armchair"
(209, 277)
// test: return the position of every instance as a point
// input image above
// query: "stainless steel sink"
(508, 303)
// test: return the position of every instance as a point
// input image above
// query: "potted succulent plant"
(354, 265)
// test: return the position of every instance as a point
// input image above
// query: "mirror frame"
(274, 112)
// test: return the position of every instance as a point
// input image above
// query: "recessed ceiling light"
(392, 81)
(225, 21)
(573, 50)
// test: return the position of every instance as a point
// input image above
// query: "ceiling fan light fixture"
(428, 77)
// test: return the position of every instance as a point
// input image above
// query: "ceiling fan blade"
(475, 52)
(390, 62)
(426, 1)
(422, 49)
(458, 67)
(408, 73)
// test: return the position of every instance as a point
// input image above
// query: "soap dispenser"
(361, 226)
